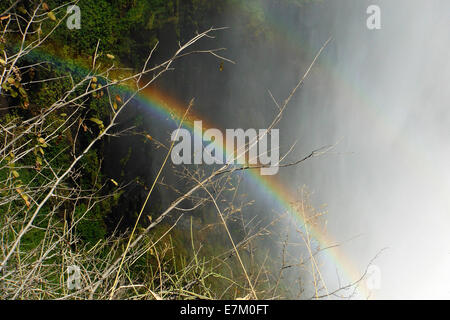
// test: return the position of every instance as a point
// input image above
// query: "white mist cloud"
(384, 94)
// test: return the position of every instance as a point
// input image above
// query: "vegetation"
(57, 118)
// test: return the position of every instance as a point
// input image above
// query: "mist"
(379, 97)
(382, 97)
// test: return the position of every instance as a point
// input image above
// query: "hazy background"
(381, 95)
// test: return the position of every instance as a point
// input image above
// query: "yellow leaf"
(114, 181)
(97, 121)
(52, 16)
(110, 56)
(15, 173)
(24, 196)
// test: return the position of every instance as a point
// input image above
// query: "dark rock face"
(128, 160)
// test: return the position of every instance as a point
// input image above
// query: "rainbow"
(414, 151)
(164, 106)
(167, 107)
(284, 198)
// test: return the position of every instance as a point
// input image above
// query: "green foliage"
(92, 228)
(127, 28)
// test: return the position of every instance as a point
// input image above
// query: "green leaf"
(42, 142)
(97, 121)
(22, 92)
